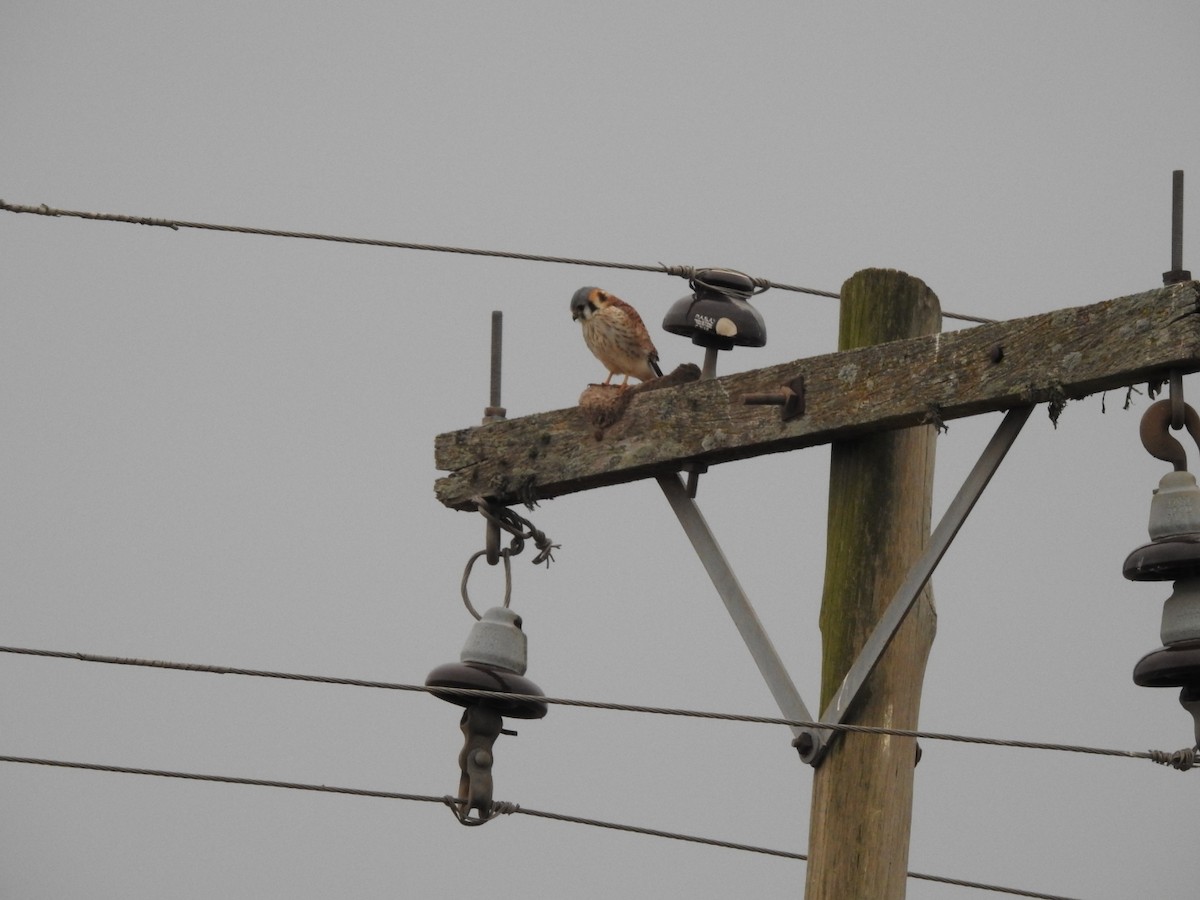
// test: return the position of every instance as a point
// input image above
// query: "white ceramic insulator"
(1181, 612)
(497, 640)
(1175, 507)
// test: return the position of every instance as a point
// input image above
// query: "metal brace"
(815, 742)
(811, 740)
(749, 626)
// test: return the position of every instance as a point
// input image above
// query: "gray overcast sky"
(219, 448)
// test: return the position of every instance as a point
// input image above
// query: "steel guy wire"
(176, 224)
(1182, 760)
(498, 809)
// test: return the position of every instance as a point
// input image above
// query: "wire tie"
(547, 549)
(520, 528)
(679, 271)
(1180, 759)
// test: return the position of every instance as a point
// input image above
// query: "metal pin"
(695, 470)
(495, 412)
(1178, 273)
(1177, 219)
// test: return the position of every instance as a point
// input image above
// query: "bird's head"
(586, 301)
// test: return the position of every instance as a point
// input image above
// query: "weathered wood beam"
(1054, 356)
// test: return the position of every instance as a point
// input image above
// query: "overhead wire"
(683, 271)
(507, 808)
(1180, 759)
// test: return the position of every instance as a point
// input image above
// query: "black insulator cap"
(487, 678)
(1177, 665)
(1166, 560)
(718, 313)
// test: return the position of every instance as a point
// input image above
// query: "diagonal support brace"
(813, 743)
(782, 688)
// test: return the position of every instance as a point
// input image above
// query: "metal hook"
(1157, 439)
(507, 581)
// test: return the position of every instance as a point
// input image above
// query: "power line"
(507, 808)
(176, 224)
(224, 779)
(1180, 759)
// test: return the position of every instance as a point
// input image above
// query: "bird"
(616, 334)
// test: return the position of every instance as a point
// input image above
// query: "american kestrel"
(616, 334)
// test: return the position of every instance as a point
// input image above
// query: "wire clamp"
(1182, 760)
(480, 727)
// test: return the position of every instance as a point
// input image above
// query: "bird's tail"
(655, 366)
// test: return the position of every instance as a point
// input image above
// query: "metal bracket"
(782, 688)
(480, 727)
(814, 742)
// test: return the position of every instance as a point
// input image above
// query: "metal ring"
(507, 581)
(492, 542)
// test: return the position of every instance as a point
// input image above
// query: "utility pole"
(880, 496)
(877, 401)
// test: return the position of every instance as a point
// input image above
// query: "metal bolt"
(790, 397)
(804, 743)
(1178, 273)
(494, 411)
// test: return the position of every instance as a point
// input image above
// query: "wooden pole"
(880, 489)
